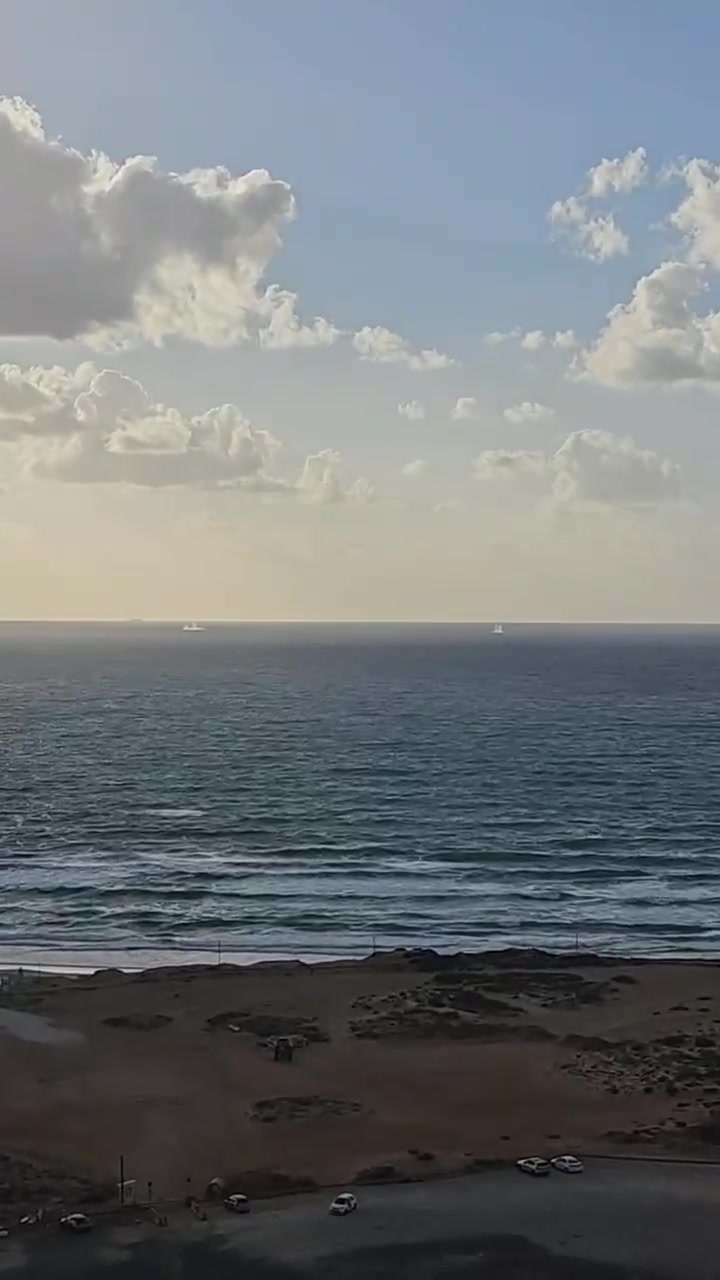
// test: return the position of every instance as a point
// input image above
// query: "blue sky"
(425, 144)
(431, 136)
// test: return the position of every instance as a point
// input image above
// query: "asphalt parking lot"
(618, 1219)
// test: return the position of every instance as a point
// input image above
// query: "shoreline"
(83, 961)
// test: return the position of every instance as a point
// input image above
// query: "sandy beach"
(407, 1064)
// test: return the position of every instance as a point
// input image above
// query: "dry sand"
(416, 1061)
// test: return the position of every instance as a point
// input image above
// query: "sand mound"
(138, 1021)
(307, 1107)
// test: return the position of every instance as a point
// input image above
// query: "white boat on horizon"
(498, 629)
(193, 626)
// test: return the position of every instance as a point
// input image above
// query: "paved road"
(615, 1221)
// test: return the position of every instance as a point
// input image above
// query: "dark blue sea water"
(289, 790)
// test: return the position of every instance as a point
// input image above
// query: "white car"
(343, 1204)
(567, 1164)
(76, 1222)
(535, 1166)
(237, 1203)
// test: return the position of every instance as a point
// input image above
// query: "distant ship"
(192, 626)
(498, 629)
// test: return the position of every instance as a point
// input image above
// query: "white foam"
(176, 813)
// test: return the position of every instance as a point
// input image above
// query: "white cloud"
(698, 215)
(535, 339)
(413, 410)
(619, 175)
(493, 464)
(385, 347)
(528, 411)
(88, 245)
(466, 409)
(494, 339)
(564, 340)
(116, 253)
(596, 466)
(597, 237)
(655, 337)
(416, 468)
(589, 467)
(284, 328)
(321, 480)
(99, 426)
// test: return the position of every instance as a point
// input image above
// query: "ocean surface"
(310, 791)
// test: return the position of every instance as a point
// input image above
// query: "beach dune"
(404, 1064)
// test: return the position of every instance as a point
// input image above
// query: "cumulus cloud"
(413, 410)
(510, 463)
(87, 244)
(416, 468)
(385, 347)
(619, 175)
(564, 340)
(594, 236)
(321, 481)
(528, 411)
(497, 337)
(97, 426)
(119, 252)
(656, 337)
(283, 327)
(589, 467)
(535, 339)
(698, 215)
(466, 409)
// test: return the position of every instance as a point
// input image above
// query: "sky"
(340, 310)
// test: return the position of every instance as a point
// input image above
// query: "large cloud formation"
(115, 253)
(100, 426)
(589, 467)
(656, 337)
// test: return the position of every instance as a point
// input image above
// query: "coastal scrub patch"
(563, 989)
(138, 1021)
(305, 1107)
(454, 1014)
(672, 1062)
(26, 1183)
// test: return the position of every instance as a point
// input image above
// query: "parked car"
(535, 1166)
(237, 1203)
(76, 1222)
(343, 1204)
(567, 1164)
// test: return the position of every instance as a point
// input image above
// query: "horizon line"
(357, 622)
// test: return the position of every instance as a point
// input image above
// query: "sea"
(258, 791)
